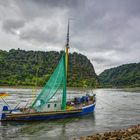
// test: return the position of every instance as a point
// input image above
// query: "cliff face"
(19, 67)
(127, 75)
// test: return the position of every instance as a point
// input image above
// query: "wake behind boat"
(43, 108)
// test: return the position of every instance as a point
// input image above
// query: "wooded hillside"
(127, 75)
(19, 67)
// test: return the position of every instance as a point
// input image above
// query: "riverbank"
(33, 87)
(20, 87)
(135, 89)
(132, 133)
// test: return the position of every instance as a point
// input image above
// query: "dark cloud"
(45, 35)
(106, 31)
(60, 3)
(9, 25)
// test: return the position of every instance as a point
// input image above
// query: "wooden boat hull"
(40, 116)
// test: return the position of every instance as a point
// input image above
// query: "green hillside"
(127, 75)
(19, 67)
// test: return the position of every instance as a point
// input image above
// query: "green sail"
(56, 84)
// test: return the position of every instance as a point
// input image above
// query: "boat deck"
(28, 114)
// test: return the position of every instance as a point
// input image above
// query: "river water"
(115, 109)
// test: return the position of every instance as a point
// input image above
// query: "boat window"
(55, 105)
(48, 105)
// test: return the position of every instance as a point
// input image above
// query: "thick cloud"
(10, 25)
(106, 31)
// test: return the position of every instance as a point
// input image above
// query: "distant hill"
(127, 75)
(19, 67)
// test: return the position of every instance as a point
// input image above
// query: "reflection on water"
(60, 129)
(115, 109)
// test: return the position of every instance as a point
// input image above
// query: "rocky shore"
(132, 133)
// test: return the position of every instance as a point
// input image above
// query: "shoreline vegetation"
(131, 133)
(40, 87)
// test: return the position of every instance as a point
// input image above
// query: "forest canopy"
(127, 75)
(20, 67)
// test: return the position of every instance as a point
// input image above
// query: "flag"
(3, 94)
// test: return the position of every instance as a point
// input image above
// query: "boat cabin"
(52, 106)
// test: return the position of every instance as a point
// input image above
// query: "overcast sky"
(106, 31)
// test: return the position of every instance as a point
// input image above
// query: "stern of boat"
(5, 110)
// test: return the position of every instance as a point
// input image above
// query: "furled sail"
(57, 82)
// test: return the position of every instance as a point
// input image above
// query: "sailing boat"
(44, 107)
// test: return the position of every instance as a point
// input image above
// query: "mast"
(64, 96)
(67, 48)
